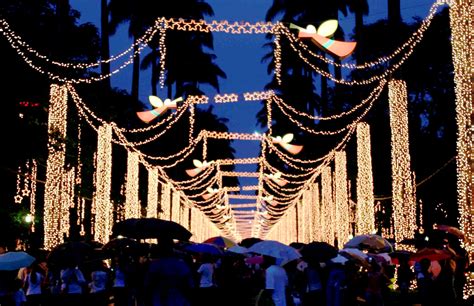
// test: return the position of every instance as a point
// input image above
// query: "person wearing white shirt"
(276, 281)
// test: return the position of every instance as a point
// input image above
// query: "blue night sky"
(240, 58)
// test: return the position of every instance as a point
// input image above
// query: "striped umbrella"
(221, 242)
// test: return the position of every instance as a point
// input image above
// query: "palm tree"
(360, 8)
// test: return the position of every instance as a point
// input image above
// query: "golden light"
(132, 202)
(341, 196)
(152, 199)
(365, 214)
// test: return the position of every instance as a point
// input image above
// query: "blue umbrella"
(15, 260)
(206, 248)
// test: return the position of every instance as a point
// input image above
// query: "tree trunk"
(104, 39)
(136, 73)
(359, 24)
(394, 13)
(155, 71)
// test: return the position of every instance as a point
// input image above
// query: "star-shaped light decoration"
(284, 142)
(18, 198)
(160, 107)
(199, 167)
(320, 37)
(25, 192)
(276, 177)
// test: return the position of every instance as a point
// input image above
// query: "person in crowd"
(314, 286)
(98, 284)
(168, 279)
(119, 290)
(33, 283)
(276, 281)
(336, 285)
(405, 276)
(424, 279)
(376, 283)
(72, 283)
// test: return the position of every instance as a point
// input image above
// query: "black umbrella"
(124, 246)
(147, 228)
(70, 253)
(248, 242)
(318, 251)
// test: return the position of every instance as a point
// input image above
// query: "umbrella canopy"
(451, 230)
(431, 254)
(124, 245)
(400, 255)
(220, 241)
(146, 228)
(318, 251)
(15, 260)
(275, 249)
(238, 249)
(248, 242)
(372, 243)
(205, 248)
(71, 253)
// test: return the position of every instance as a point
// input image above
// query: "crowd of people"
(172, 276)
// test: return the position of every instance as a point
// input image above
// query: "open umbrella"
(205, 248)
(238, 249)
(15, 260)
(69, 253)
(275, 249)
(248, 242)
(431, 254)
(372, 243)
(451, 230)
(146, 228)
(220, 241)
(318, 251)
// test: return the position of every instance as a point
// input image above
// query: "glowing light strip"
(176, 206)
(239, 161)
(328, 209)
(462, 23)
(240, 174)
(342, 201)
(242, 196)
(57, 123)
(365, 220)
(404, 208)
(103, 181)
(250, 187)
(132, 203)
(316, 234)
(165, 203)
(152, 199)
(243, 205)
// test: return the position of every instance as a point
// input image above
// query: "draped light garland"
(152, 199)
(103, 181)
(57, 123)
(461, 16)
(132, 202)
(342, 229)
(404, 206)
(365, 214)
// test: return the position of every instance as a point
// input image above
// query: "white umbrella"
(339, 259)
(280, 251)
(15, 260)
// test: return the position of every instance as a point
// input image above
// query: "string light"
(250, 187)
(341, 196)
(34, 174)
(242, 196)
(152, 199)
(162, 48)
(165, 203)
(57, 122)
(176, 206)
(365, 220)
(316, 234)
(67, 200)
(462, 22)
(240, 174)
(277, 58)
(328, 208)
(404, 208)
(103, 180)
(132, 202)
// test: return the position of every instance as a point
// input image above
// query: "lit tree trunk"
(104, 38)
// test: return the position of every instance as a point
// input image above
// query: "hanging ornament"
(199, 167)
(319, 37)
(160, 107)
(284, 142)
(276, 177)
(211, 192)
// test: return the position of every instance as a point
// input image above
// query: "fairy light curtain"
(316, 234)
(328, 209)
(341, 197)
(57, 123)
(165, 203)
(175, 206)
(103, 180)
(152, 199)
(404, 206)
(132, 202)
(461, 16)
(365, 214)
